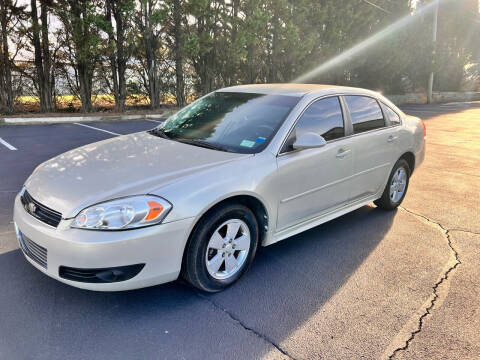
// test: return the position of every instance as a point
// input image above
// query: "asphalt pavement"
(371, 284)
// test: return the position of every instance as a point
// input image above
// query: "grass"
(72, 103)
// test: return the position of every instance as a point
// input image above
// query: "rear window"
(365, 113)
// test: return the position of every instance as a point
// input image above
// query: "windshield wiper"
(201, 143)
(159, 133)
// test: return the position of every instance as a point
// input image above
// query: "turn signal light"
(155, 210)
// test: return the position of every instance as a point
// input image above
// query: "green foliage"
(228, 42)
(83, 21)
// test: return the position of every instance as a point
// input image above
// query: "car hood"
(126, 165)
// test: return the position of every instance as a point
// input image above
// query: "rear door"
(398, 135)
(372, 143)
(314, 181)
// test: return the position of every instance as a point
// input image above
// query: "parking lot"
(371, 284)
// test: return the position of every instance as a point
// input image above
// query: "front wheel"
(221, 248)
(396, 187)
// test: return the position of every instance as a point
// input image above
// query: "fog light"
(100, 275)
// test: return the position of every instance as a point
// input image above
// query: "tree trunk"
(6, 90)
(121, 58)
(38, 55)
(203, 65)
(42, 56)
(85, 80)
(112, 57)
(47, 63)
(83, 62)
(251, 67)
(3, 93)
(180, 82)
(151, 45)
(273, 73)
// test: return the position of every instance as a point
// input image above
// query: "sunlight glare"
(367, 43)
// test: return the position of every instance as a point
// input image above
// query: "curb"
(72, 119)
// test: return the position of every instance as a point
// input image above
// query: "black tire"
(386, 202)
(194, 263)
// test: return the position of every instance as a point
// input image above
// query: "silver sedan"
(238, 168)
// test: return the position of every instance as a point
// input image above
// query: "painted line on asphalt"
(95, 128)
(7, 145)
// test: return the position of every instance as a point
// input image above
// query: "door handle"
(392, 138)
(342, 153)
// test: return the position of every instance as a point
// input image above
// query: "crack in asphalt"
(444, 278)
(245, 327)
(465, 231)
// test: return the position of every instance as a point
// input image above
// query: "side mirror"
(309, 140)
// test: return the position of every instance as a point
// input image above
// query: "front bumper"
(159, 247)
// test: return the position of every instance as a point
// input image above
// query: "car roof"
(295, 89)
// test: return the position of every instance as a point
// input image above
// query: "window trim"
(383, 106)
(386, 120)
(345, 123)
(347, 120)
(381, 103)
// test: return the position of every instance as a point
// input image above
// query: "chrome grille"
(41, 212)
(34, 251)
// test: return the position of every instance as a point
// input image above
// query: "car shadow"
(287, 283)
(291, 280)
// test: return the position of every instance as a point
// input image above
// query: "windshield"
(235, 122)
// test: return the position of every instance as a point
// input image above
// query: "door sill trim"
(318, 220)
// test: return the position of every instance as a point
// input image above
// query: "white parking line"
(94, 128)
(3, 142)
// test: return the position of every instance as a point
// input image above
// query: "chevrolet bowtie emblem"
(32, 207)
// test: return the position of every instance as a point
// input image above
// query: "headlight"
(126, 213)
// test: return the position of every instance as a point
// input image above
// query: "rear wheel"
(396, 187)
(221, 248)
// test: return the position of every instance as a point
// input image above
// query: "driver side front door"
(313, 182)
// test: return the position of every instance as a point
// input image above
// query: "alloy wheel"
(227, 249)
(398, 185)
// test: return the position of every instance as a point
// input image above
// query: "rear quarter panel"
(415, 129)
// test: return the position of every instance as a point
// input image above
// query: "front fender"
(194, 195)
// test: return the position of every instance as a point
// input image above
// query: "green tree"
(178, 49)
(457, 43)
(150, 30)
(201, 44)
(7, 13)
(119, 17)
(43, 61)
(82, 22)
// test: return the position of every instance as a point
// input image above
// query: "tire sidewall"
(202, 236)
(400, 163)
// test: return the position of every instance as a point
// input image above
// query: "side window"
(365, 112)
(323, 117)
(392, 115)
